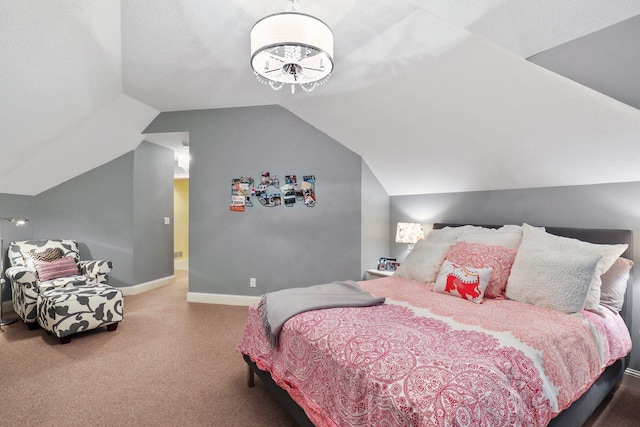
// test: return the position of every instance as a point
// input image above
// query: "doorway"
(178, 142)
(181, 224)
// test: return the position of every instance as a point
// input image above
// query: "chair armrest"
(24, 292)
(95, 270)
(22, 276)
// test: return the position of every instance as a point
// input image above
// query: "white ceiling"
(435, 95)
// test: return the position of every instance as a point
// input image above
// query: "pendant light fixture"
(292, 48)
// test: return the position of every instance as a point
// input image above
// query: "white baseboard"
(632, 373)
(144, 287)
(7, 306)
(221, 299)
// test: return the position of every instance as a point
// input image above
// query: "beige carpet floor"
(169, 363)
(619, 409)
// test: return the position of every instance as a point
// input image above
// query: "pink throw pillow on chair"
(62, 267)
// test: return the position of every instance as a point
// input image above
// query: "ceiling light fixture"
(292, 48)
(183, 161)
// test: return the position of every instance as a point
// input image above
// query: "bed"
(428, 357)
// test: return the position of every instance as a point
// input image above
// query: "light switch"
(167, 220)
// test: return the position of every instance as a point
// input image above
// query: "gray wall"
(15, 206)
(96, 209)
(114, 211)
(589, 206)
(152, 202)
(281, 247)
(375, 220)
(606, 61)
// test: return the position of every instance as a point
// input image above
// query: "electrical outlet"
(252, 282)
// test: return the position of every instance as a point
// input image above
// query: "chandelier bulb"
(294, 6)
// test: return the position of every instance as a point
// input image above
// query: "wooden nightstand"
(374, 273)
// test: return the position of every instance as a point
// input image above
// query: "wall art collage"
(269, 192)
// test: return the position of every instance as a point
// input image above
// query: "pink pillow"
(477, 255)
(62, 267)
(464, 282)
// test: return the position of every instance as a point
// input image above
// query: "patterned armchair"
(26, 283)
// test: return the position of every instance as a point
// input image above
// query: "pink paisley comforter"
(429, 359)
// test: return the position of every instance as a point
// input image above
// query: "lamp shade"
(292, 48)
(409, 232)
(17, 220)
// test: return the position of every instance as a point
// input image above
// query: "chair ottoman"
(64, 311)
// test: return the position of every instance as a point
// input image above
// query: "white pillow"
(464, 282)
(507, 239)
(608, 253)
(508, 236)
(423, 262)
(558, 280)
(614, 284)
(450, 234)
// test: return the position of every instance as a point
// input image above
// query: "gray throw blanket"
(279, 306)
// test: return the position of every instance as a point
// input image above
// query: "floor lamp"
(17, 221)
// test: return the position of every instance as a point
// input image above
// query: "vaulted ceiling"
(435, 95)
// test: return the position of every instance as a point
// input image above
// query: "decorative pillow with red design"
(465, 282)
(477, 255)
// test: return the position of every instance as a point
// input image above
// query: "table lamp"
(409, 232)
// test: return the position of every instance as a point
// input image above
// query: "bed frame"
(580, 410)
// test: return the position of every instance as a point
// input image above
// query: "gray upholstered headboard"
(591, 235)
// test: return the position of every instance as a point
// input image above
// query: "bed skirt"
(574, 416)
